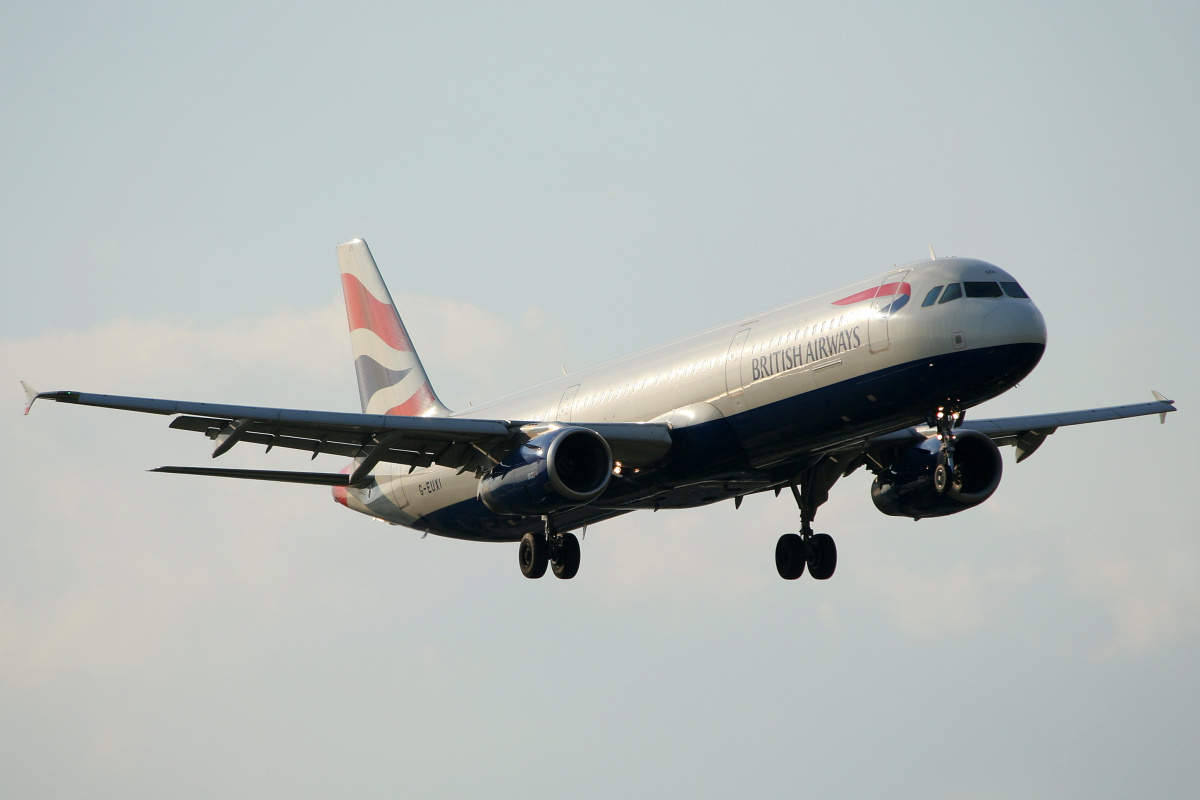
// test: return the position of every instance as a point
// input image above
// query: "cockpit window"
(983, 289)
(931, 298)
(953, 292)
(1013, 289)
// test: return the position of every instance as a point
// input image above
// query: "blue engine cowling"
(907, 488)
(562, 469)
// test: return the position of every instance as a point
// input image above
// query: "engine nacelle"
(562, 469)
(907, 489)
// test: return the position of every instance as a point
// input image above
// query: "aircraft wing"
(1027, 433)
(464, 444)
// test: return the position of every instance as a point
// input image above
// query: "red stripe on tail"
(364, 311)
(422, 400)
(340, 493)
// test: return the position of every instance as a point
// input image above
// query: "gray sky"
(544, 184)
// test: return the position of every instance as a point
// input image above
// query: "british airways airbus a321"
(877, 374)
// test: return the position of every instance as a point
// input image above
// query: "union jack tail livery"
(391, 379)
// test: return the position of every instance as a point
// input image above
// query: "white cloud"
(940, 601)
(106, 563)
(1150, 586)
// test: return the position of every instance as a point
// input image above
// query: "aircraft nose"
(1015, 322)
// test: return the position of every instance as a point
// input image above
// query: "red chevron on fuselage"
(886, 290)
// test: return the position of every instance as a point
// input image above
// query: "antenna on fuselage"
(932, 255)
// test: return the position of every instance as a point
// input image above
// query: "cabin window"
(932, 297)
(983, 289)
(953, 292)
(1013, 289)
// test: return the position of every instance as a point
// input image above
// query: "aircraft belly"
(879, 401)
(471, 519)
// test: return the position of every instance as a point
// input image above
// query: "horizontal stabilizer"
(319, 478)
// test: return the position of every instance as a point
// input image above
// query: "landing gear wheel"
(534, 555)
(945, 479)
(940, 478)
(822, 556)
(566, 560)
(789, 556)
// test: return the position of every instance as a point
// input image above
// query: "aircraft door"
(394, 487)
(734, 385)
(892, 293)
(565, 404)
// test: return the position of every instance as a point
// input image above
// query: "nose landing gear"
(947, 474)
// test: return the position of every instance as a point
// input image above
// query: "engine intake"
(560, 469)
(907, 488)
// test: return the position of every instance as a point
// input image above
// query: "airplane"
(878, 374)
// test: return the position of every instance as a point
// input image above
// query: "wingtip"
(30, 395)
(1160, 397)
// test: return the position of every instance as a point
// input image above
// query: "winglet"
(30, 395)
(1160, 398)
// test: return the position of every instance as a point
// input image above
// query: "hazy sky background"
(545, 184)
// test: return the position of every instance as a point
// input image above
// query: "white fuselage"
(811, 358)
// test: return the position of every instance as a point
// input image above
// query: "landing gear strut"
(559, 551)
(817, 551)
(947, 474)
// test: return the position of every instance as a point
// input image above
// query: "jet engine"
(909, 487)
(561, 469)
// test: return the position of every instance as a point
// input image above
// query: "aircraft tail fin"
(391, 379)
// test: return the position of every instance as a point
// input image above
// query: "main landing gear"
(559, 551)
(817, 551)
